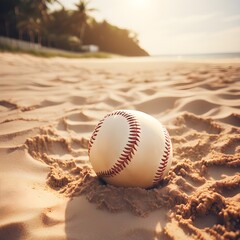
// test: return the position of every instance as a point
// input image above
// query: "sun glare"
(138, 3)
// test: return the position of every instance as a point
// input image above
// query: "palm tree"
(42, 17)
(7, 16)
(81, 15)
(54, 33)
(26, 14)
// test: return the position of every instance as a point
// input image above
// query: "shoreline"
(117, 58)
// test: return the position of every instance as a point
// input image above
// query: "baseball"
(130, 148)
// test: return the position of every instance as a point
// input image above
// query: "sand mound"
(48, 110)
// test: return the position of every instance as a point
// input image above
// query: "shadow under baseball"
(84, 221)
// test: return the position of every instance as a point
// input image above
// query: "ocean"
(235, 55)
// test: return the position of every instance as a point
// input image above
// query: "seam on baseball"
(129, 149)
(165, 158)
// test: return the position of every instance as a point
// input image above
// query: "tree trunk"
(31, 36)
(48, 42)
(39, 35)
(82, 31)
(7, 28)
(20, 35)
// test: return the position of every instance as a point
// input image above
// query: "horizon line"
(190, 54)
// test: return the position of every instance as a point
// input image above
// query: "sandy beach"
(48, 110)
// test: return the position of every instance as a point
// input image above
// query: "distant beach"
(212, 56)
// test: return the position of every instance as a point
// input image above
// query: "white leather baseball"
(130, 148)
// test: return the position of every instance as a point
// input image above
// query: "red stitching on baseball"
(164, 159)
(93, 137)
(129, 149)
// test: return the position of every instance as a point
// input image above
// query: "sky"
(175, 26)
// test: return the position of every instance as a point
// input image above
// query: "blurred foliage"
(55, 53)
(33, 21)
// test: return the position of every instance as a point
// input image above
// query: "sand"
(48, 110)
